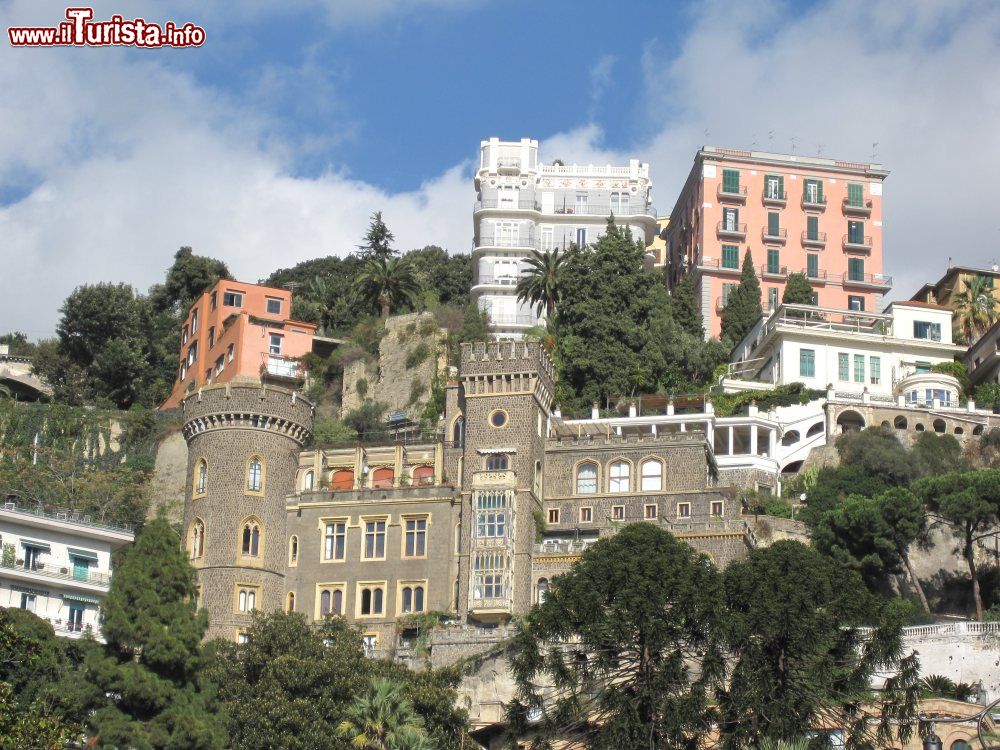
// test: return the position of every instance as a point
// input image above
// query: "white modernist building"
(523, 205)
(57, 566)
(889, 355)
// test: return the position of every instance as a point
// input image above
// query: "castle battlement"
(237, 405)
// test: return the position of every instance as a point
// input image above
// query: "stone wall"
(388, 380)
(169, 477)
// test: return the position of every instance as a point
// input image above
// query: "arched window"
(307, 480)
(201, 477)
(247, 600)
(536, 484)
(418, 598)
(366, 601)
(939, 425)
(816, 429)
(197, 539)
(423, 475)
(343, 479)
(383, 477)
(652, 475)
(377, 602)
(899, 423)
(293, 550)
(338, 602)
(543, 590)
(458, 433)
(586, 478)
(250, 545)
(497, 462)
(290, 605)
(407, 599)
(255, 475)
(618, 476)
(324, 603)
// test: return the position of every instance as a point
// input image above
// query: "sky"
(275, 141)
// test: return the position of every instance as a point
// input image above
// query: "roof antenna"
(819, 148)
(793, 139)
(770, 137)
(875, 151)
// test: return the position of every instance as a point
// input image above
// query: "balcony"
(512, 321)
(859, 243)
(872, 280)
(732, 230)
(813, 202)
(281, 368)
(732, 194)
(509, 165)
(494, 204)
(773, 197)
(504, 280)
(780, 237)
(864, 208)
(818, 239)
(775, 272)
(506, 241)
(631, 208)
(59, 572)
(716, 264)
(495, 605)
(819, 277)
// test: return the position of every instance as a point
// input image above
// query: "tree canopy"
(798, 291)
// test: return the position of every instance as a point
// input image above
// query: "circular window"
(498, 418)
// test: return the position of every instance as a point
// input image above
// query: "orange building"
(240, 330)
(796, 214)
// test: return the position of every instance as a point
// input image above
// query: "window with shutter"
(772, 224)
(855, 195)
(812, 227)
(773, 261)
(730, 181)
(856, 269)
(812, 266)
(730, 256)
(843, 366)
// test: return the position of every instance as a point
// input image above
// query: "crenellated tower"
(243, 442)
(507, 391)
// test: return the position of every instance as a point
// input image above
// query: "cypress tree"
(149, 696)
(743, 309)
(797, 290)
(686, 310)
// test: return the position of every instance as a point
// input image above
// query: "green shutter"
(781, 186)
(730, 256)
(855, 194)
(812, 227)
(773, 261)
(772, 224)
(730, 181)
(819, 190)
(856, 269)
(812, 266)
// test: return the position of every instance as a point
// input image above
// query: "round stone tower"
(243, 444)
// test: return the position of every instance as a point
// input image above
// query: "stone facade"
(474, 524)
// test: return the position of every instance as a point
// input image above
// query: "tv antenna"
(875, 151)
(819, 148)
(793, 139)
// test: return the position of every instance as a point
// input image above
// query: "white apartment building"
(523, 205)
(888, 355)
(57, 566)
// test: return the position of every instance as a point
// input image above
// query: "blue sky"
(276, 141)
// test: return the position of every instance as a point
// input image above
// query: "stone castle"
(472, 524)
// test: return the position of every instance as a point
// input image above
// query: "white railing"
(592, 170)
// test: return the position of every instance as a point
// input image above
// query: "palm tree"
(540, 284)
(977, 308)
(387, 282)
(382, 719)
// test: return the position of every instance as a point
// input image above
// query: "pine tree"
(686, 311)
(148, 673)
(743, 309)
(378, 240)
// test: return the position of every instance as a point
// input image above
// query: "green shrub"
(956, 370)
(417, 390)
(417, 354)
(362, 387)
(329, 432)
(728, 404)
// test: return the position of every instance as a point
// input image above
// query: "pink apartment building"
(796, 214)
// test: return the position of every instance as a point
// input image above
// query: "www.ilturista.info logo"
(80, 30)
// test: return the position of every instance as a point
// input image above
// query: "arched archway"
(900, 422)
(816, 429)
(850, 421)
(791, 437)
(939, 425)
(959, 431)
(977, 430)
(918, 427)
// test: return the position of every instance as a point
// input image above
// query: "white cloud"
(919, 79)
(129, 160)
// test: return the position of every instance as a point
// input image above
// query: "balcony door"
(507, 197)
(81, 568)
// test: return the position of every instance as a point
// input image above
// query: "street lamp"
(932, 741)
